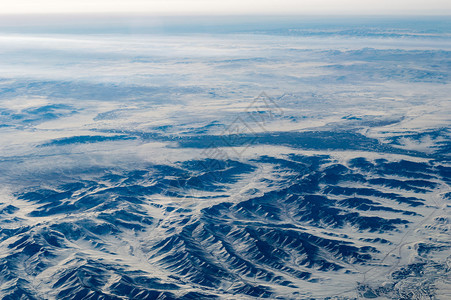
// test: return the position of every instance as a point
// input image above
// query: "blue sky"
(177, 7)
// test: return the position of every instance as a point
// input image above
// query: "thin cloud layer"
(171, 7)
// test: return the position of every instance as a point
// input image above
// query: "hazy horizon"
(144, 23)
